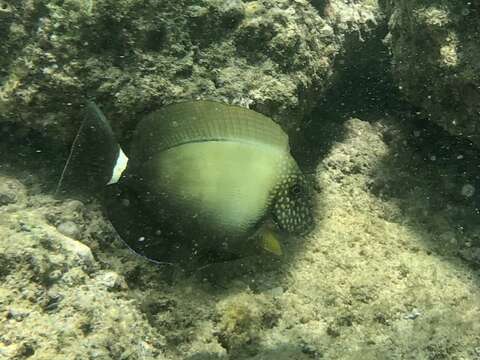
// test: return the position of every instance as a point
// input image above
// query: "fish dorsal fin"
(199, 121)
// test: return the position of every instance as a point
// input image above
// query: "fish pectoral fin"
(271, 243)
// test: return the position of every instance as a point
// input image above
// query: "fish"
(201, 178)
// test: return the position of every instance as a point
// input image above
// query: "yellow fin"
(271, 243)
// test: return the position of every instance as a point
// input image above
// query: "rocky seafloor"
(391, 270)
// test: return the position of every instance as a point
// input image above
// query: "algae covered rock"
(436, 52)
(134, 56)
(346, 17)
(242, 319)
(11, 191)
(378, 276)
(55, 302)
(391, 269)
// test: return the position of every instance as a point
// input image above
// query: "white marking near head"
(120, 166)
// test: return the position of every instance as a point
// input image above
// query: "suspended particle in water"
(468, 190)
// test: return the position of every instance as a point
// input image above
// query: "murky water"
(337, 218)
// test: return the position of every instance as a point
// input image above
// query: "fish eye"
(296, 189)
(4, 7)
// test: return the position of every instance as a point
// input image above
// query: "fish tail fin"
(95, 157)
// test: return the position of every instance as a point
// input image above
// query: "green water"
(380, 102)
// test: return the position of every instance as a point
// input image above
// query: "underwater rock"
(375, 256)
(81, 252)
(242, 318)
(18, 315)
(70, 229)
(362, 75)
(471, 254)
(134, 56)
(11, 191)
(49, 284)
(111, 280)
(435, 49)
(349, 18)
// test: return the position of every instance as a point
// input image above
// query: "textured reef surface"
(134, 56)
(435, 50)
(391, 270)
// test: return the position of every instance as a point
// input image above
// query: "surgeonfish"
(200, 177)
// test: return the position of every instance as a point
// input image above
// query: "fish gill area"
(380, 102)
